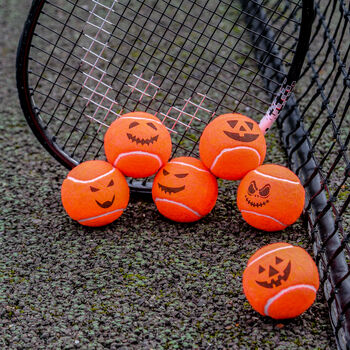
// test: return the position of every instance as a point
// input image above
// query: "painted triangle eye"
(250, 125)
(94, 189)
(111, 183)
(165, 173)
(261, 269)
(232, 123)
(181, 176)
(278, 260)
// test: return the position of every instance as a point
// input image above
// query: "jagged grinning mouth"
(245, 138)
(277, 282)
(136, 139)
(255, 205)
(170, 189)
(106, 204)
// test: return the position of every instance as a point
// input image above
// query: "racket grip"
(277, 105)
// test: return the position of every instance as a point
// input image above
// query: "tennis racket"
(83, 63)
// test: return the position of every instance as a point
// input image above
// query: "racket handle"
(277, 105)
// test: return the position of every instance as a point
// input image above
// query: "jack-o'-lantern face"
(95, 193)
(274, 274)
(137, 144)
(104, 201)
(143, 132)
(242, 130)
(172, 189)
(184, 190)
(257, 197)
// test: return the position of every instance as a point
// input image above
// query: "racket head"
(80, 65)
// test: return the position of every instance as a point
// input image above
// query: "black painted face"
(275, 277)
(242, 131)
(257, 197)
(174, 189)
(105, 204)
(139, 140)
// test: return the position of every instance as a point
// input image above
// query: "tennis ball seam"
(264, 215)
(269, 252)
(276, 178)
(92, 180)
(216, 159)
(270, 301)
(101, 216)
(125, 154)
(157, 199)
(142, 118)
(191, 166)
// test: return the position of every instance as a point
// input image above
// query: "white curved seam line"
(92, 180)
(232, 149)
(191, 166)
(141, 118)
(269, 252)
(101, 216)
(277, 178)
(139, 153)
(180, 204)
(265, 216)
(271, 300)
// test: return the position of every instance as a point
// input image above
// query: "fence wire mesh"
(316, 133)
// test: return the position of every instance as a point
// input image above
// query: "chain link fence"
(315, 130)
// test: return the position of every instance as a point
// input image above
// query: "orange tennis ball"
(270, 197)
(232, 145)
(184, 190)
(94, 193)
(138, 144)
(280, 281)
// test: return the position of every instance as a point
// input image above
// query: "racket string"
(120, 56)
